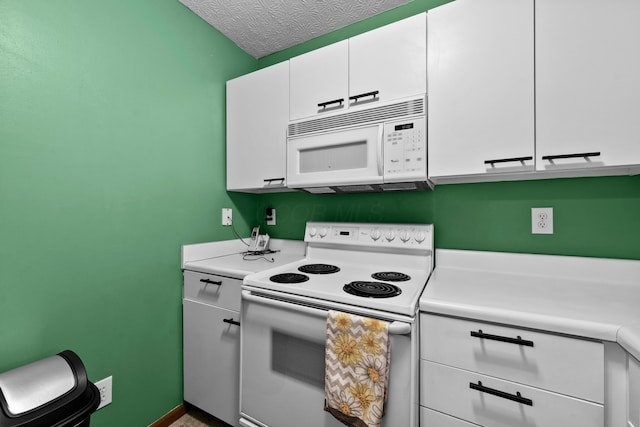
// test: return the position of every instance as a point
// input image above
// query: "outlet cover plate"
(227, 216)
(105, 388)
(542, 220)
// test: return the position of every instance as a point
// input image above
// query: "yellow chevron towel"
(356, 369)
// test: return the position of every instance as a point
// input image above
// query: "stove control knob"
(323, 232)
(375, 234)
(312, 231)
(405, 235)
(419, 236)
(390, 235)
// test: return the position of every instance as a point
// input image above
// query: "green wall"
(111, 156)
(597, 217)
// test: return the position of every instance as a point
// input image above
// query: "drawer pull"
(518, 340)
(324, 105)
(211, 282)
(515, 397)
(571, 156)
(231, 321)
(513, 159)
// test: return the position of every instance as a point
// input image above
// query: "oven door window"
(282, 369)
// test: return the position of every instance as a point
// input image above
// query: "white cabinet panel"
(211, 360)
(481, 87)
(429, 418)
(489, 401)
(391, 60)
(566, 365)
(587, 83)
(633, 407)
(220, 291)
(319, 77)
(257, 117)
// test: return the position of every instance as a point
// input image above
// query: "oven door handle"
(395, 327)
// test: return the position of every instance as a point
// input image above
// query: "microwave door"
(345, 157)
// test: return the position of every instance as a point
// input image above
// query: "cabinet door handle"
(515, 397)
(211, 282)
(231, 321)
(270, 180)
(324, 105)
(571, 156)
(374, 94)
(518, 340)
(512, 159)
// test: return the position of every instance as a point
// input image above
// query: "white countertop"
(227, 258)
(588, 297)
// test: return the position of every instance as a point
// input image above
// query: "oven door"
(282, 367)
(346, 157)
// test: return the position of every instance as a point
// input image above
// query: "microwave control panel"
(405, 150)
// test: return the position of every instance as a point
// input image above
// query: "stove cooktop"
(350, 265)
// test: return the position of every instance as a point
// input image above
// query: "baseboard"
(171, 417)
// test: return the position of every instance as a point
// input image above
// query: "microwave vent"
(370, 115)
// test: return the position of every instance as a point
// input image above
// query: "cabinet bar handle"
(356, 98)
(518, 340)
(231, 321)
(515, 397)
(571, 156)
(335, 101)
(211, 282)
(513, 159)
(270, 180)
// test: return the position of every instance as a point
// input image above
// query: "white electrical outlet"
(542, 220)
(104, 386)
(227, 216)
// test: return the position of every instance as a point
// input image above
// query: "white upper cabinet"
(481, 87)
(587, 83)
(389, 63)
(381, 65)
(319, 81)
(257, 117)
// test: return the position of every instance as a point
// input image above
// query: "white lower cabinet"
(503, 376)
(211, 337)
(489, 401)
(429, 417)
(633, 399)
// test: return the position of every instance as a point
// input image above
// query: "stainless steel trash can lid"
(31, 386)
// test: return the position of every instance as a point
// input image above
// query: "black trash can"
(52, 392)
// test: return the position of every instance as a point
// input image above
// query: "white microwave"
(381, 156)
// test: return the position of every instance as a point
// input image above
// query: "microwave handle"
(380, 145)
(395, 328)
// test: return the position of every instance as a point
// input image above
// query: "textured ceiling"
(262, 27)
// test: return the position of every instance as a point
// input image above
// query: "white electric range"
(375, 270)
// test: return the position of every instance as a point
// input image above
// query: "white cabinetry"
(381, 65)
(587, 84)
(501, 376)
(481, 87)
(211, 332)
(319, 80)
(257, 117)
(633, 399)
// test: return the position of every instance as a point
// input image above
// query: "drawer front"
(446, 389)
(214, 290)
(560, 364)
(429, 418)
